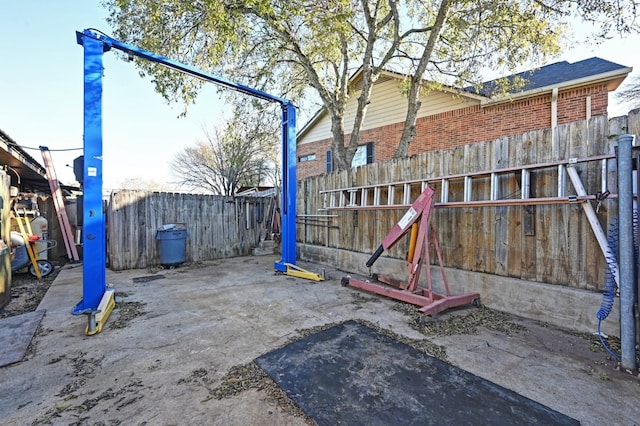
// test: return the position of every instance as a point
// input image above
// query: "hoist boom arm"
(423, 203)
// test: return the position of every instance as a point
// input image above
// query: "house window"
(308, 157)
(363, 155)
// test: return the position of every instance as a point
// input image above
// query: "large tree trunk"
(409, 130)
(369, 78)
(344, 155)
(340, 154)
(370, 74)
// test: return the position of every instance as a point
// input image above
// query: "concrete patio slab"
(171, 341)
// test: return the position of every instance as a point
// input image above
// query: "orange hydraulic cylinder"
(412, 242)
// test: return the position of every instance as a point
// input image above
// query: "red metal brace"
(429, 301)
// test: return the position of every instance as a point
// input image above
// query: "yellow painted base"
(107, 303)
(296, 271)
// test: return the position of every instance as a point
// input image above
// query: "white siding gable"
(388, 106)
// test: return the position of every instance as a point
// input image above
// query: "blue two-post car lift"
(98, 299)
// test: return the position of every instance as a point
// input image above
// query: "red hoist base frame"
(429, 301)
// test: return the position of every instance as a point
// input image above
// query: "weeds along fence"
(218, 226)
(546, 243)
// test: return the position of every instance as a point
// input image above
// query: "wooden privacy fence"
(218, 226)
(546, 243)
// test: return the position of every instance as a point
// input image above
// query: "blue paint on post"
(288, 173)
(94, 281)
(94, 250)
(186, 69)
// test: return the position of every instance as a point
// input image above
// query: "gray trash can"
(172, 244)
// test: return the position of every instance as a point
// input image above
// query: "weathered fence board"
(545, 243)
(501, 158)
(217, 226)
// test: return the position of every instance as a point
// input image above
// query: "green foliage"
(306, 51)
(497, 35)
(255, 42)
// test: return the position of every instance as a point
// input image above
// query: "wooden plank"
(459, 231)
(481, 256)
(552, 255)
(432, 162)
(530, 239)
(347, 237)
(448, 219)
(559, 247)
(329, 232)
(576, 224)
(141, 219)
(501, 160)
(525, 155)
(469, 216)
(215, 228)
(515, 236)
(374, 216)
(358, 221)
(598, 131)
(335, 183)
(545, 182)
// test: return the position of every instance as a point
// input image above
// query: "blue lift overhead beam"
(94, 236)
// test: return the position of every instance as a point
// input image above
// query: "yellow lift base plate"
(296, 271)
(107, 303)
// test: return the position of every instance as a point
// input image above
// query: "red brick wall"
(468, 125)
(313, 167)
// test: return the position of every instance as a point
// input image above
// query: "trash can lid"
(172, 227)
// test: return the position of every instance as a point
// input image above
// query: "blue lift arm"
(94, 237)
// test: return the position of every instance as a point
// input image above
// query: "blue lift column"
(97, 301)
(289, 185)
(287, 264)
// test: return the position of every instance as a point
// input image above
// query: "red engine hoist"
(416, 220)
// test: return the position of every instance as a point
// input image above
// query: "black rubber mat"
(16, 334)
(352, 375)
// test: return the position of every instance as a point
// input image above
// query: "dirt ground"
(27, 293)
(180, 345)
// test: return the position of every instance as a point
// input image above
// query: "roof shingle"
(553, 74)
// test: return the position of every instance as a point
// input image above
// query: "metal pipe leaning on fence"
(626, 250)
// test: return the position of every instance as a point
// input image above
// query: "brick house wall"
(468, 125)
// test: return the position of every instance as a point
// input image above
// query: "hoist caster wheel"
(374, 277)
(345, 281)
(477, 303)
